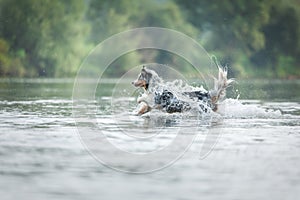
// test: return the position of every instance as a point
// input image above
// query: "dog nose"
(132, 82)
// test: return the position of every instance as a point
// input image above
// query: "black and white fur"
(156, 96)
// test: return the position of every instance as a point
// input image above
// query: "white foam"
(234, 108)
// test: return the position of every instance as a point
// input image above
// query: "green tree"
(108, 17)
(10, 65)
(232, 24)
(4, 57)
(282, 49)
(258, 37)
(230, 27)
(48, 33)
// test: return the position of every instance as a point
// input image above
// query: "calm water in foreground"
(255, 144)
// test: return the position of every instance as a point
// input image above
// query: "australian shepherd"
(157, 96)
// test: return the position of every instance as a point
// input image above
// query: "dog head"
(143, 79)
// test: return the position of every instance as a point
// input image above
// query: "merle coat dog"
(157, 96)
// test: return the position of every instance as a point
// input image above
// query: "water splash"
(234, 108)
(228, 108)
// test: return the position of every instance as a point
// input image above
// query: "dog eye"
(142, 77)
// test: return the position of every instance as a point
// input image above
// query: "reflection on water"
(256, 156)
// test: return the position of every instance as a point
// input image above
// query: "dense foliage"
(50, 38)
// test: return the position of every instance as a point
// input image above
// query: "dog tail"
(220, 84)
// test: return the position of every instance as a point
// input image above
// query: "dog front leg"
(143, 108)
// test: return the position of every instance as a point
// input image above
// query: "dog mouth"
(139, 83)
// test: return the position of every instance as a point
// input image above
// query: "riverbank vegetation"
(50, 38)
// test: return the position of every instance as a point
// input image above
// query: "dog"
(157, 96)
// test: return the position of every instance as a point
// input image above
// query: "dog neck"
(153, 84)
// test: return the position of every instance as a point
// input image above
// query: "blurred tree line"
(257, 38)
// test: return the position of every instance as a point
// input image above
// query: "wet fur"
(167, 101)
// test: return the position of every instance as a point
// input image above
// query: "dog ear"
(144, 68)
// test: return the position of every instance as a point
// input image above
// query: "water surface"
(257, 155)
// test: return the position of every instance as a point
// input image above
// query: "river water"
(250, 150)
